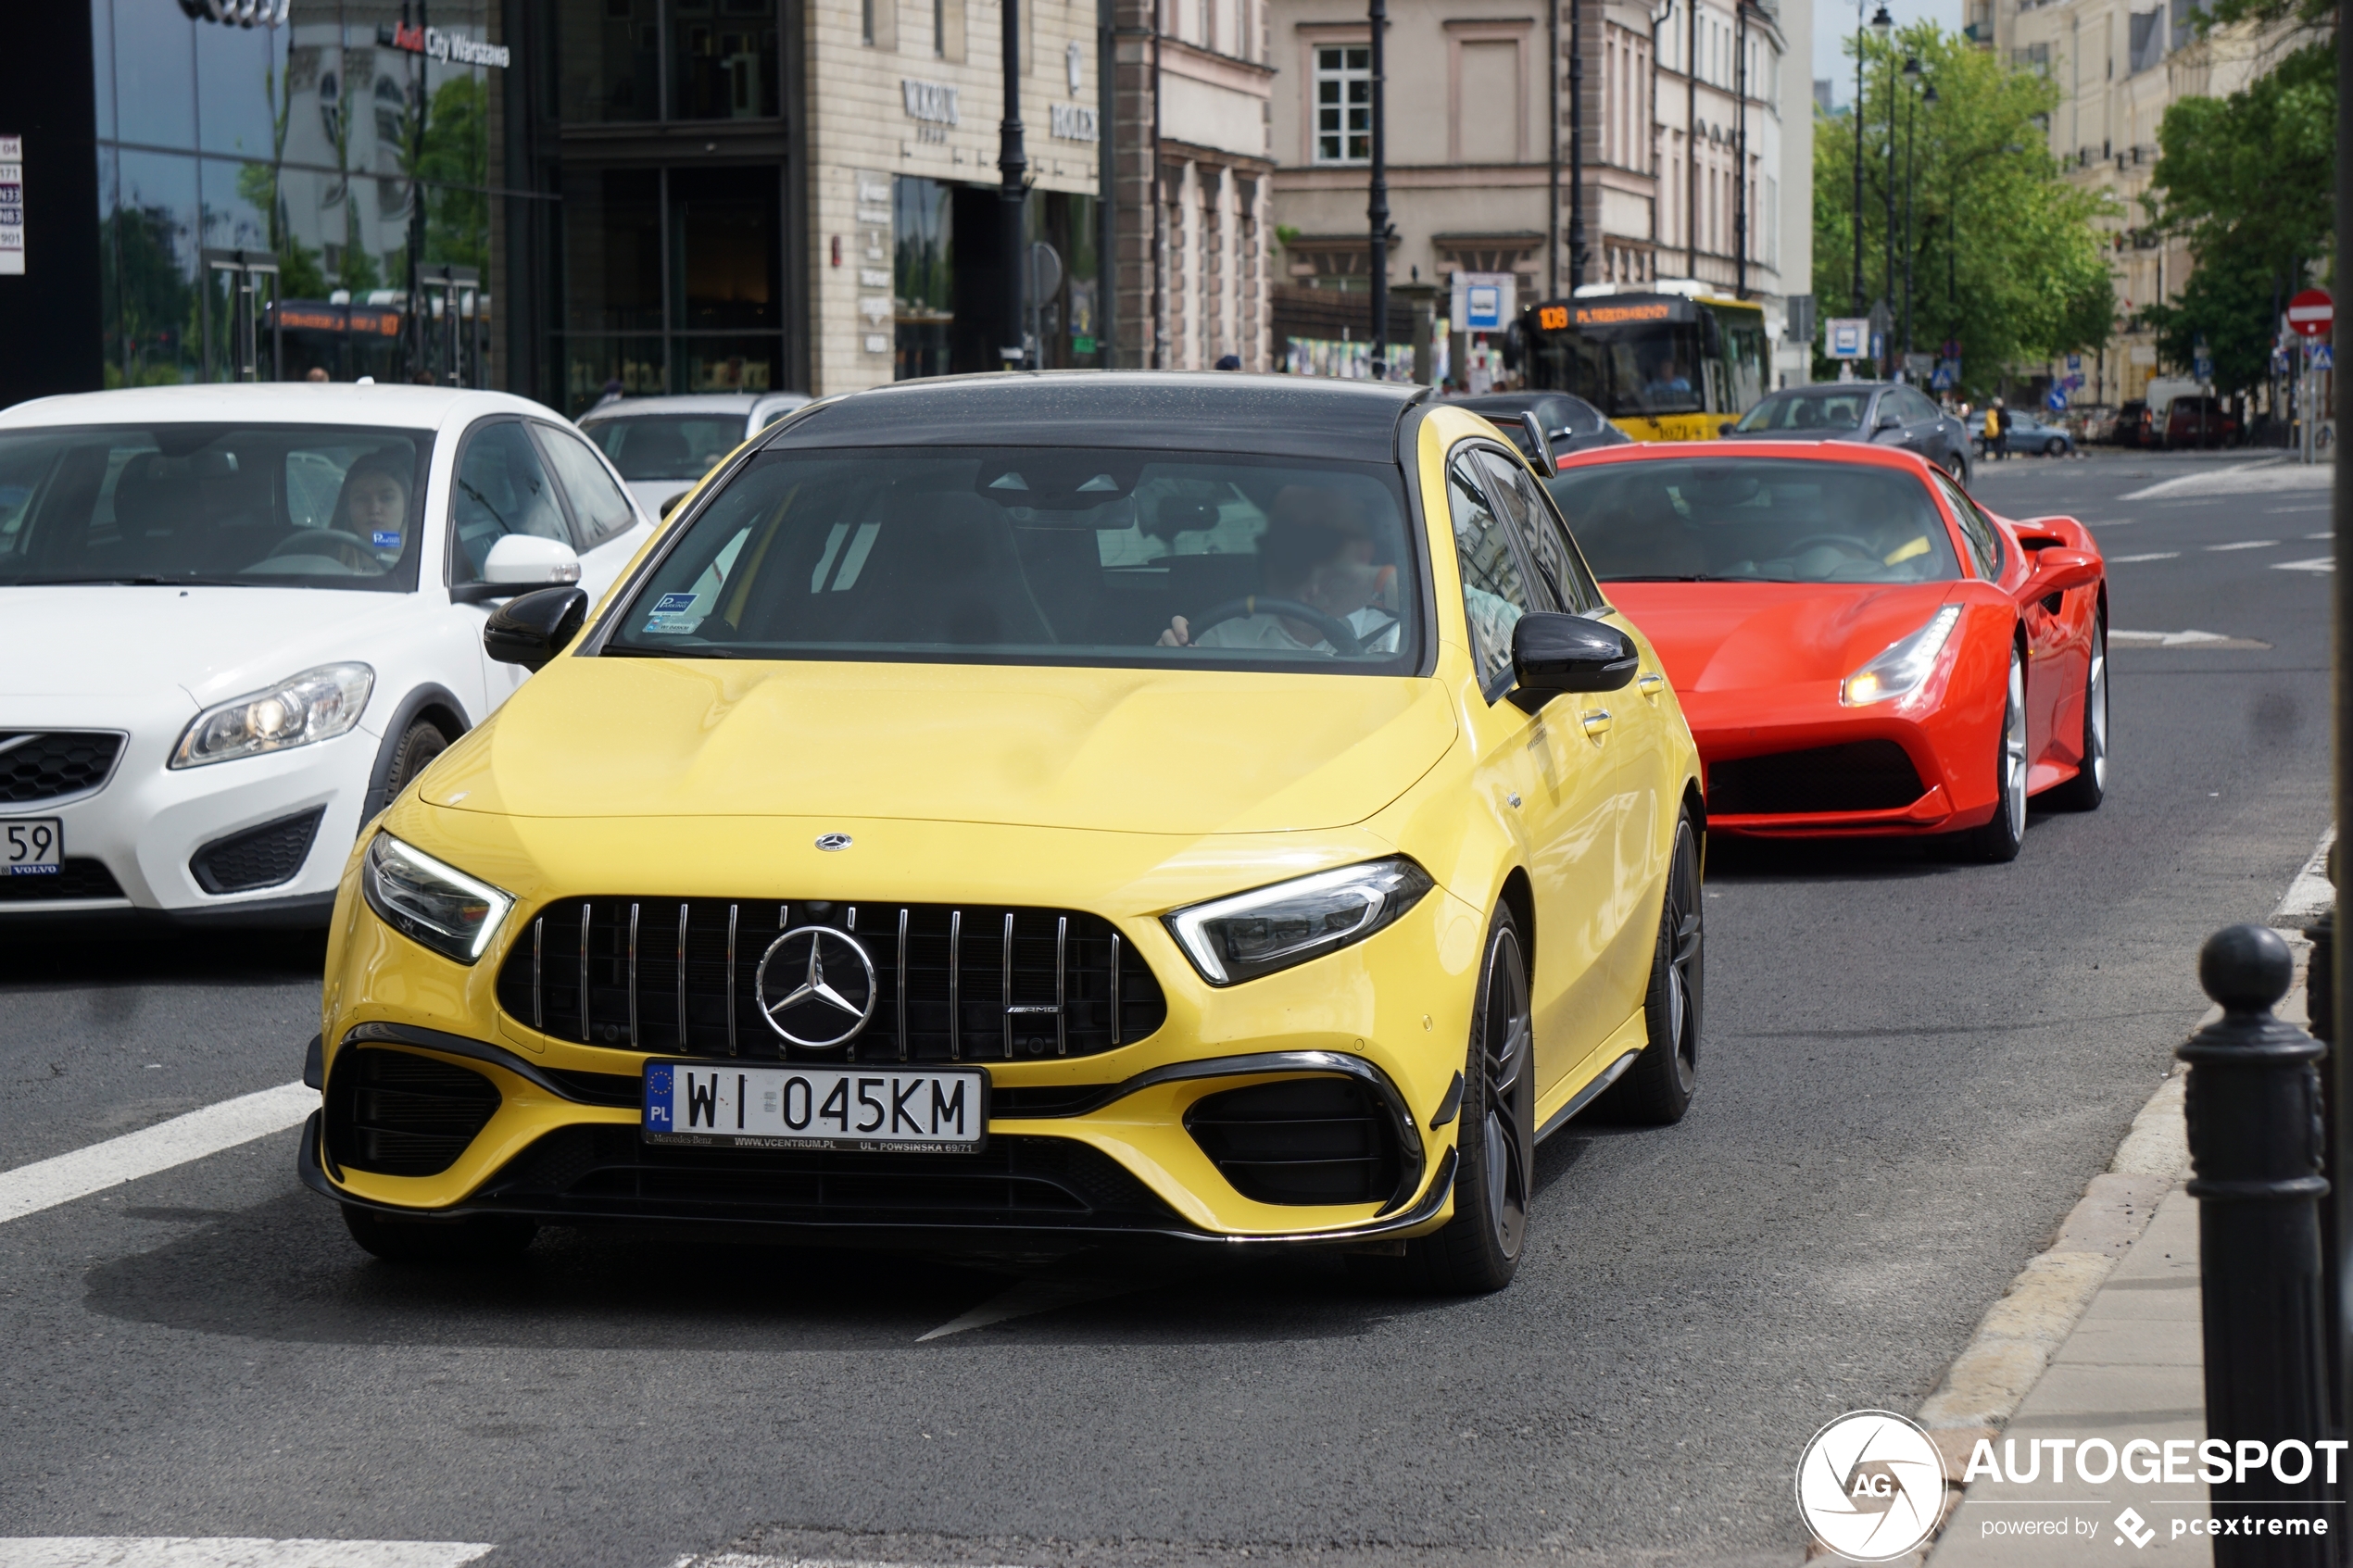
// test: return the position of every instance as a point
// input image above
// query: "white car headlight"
(314, 706)
(433, 904)
(1257, 932)
(1899, 671)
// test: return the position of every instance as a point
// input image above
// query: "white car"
(235, 619)
(664, 445)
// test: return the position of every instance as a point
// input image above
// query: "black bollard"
(2253, 1101)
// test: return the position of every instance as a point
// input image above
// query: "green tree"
(456, 169)
(2007, 257)
(2249, 181)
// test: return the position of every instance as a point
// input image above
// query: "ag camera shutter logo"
(1871, 1486)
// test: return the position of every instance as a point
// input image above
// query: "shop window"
(723, 56)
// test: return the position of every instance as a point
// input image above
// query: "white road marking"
(2329, 536)
(2245, 544)
(2305, 507)
(762, 1559)
(2318, 563)
(231, 1551)
(44, 1184)
(2242, 478)
(2213, 640)
(2153, 555)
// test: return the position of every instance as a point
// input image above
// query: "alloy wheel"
(2096, 731)
(2013, 750)
(1504, 1053)
(1684, 920)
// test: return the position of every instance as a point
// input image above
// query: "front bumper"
(1779, 734)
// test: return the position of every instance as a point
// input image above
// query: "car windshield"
(1040, 556)
(1774, 521)
(265, 506)
(666, 445)
(1807, 411)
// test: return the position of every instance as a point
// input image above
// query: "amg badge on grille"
(812, 1005)
(833, 841)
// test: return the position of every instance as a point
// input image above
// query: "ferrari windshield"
(1816, 408)
(1754, 520)
(1040, 556)
(263, 505)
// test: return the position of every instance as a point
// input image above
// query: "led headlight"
(435, 905)
(1251, 933)
(1907, 662)
(314, 706)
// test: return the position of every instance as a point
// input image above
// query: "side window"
(597, 505)
(1544, 536)
(1984, 543)
(502, 488)
(1496, 587)
(1917, 409)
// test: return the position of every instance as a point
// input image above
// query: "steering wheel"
(1846, 542)
(1339, 632)
(326, 542)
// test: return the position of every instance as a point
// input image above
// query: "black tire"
(1479, 1248)
(1999, 839)
(1657, 1090)
(420, 744)
(1958, 469)
(2089, 786)
(2054, 449)
(473, 1241)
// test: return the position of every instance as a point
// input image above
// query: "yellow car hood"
(1117, 750)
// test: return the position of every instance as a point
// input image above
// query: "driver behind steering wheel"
(373, 505)
(1317, 550)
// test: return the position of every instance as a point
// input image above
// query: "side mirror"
(1552, 653)
(1540, 445)
(1887, 420)
(2058, 570)
(527, 560)
(531, 628)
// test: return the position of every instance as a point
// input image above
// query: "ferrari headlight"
(1899, 671)
(1251, 933)
(435, 905)
(314, 706)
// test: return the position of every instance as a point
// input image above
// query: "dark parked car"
(2133, 424)
(1572, 424)
(1883, 413)
(2200, 421)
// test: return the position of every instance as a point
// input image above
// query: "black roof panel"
(1208, 412)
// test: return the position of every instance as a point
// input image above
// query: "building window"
(1344, 104)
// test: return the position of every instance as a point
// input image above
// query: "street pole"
(1013, 195)
(1911, 170)
(1858, 157)
(1552, 158)
(1376, 209)
(1576, 141)
(2337, 1238)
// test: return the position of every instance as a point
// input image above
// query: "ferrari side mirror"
(2058, 570)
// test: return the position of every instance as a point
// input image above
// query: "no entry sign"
(2311, 313)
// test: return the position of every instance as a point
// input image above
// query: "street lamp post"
(1879, 24)
(1013, 164)
(1376, 209)
(1911, 119)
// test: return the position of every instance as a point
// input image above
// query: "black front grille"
(1864, 775)
(45, 764)
(76, 877)
(1022, 982)
(1304, 1140)
(611, 1171)
(396, 1113)
(262, 856)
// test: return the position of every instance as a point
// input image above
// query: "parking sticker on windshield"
(385, 539)
(677, 613)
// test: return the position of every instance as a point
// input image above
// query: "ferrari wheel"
(483, 1238)
(1478, 1249)
(1999, 839)
(1657, 1090)
(2089, 786)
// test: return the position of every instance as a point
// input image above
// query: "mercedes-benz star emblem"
(826, 1005)
(833, 841)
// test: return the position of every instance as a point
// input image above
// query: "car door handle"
(1597, 721)
(1651, 686)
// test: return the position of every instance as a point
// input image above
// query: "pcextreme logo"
(1871, 1486)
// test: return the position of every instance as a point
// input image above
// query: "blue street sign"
(2075, 363)
(2202, 368)
(2323, 356)
(2056, 401)
(1944, 380)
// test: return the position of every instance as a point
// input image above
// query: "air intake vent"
(262, 856)
(952, 982)
(1865, 775)
(49, 764)
(396, 1113)
(1304, 1140)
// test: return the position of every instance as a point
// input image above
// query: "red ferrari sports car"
(1859, 646)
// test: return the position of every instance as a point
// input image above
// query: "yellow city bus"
(1662, 366)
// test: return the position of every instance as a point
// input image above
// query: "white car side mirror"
(525, 560)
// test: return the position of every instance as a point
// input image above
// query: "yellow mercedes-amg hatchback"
(1029, 810)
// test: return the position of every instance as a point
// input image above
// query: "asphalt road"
(1912, 1068)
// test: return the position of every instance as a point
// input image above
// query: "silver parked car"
(664, 445)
